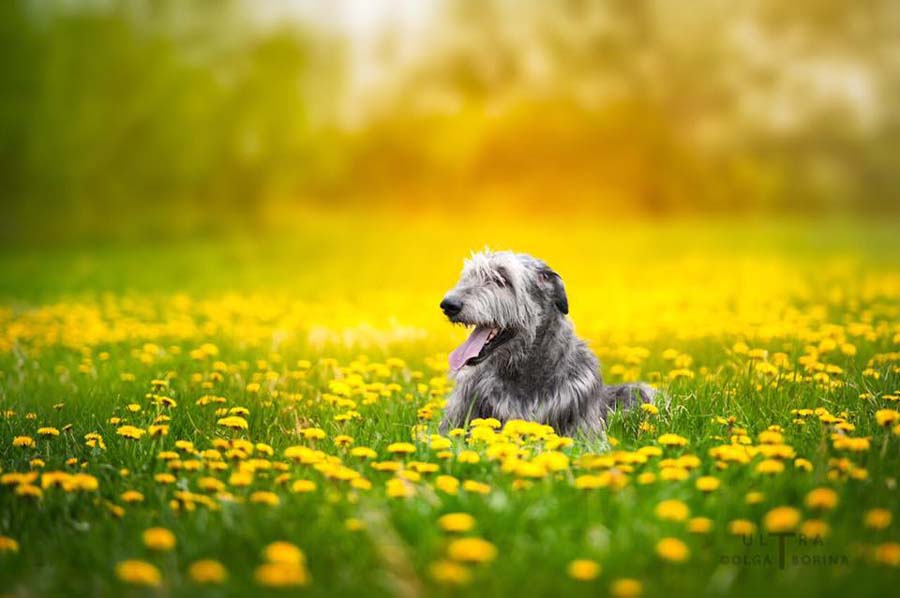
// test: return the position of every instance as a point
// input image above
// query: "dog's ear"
(559, 290)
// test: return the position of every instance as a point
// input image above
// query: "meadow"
(260, 415)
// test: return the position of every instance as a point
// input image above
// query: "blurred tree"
(646, 103)
(149, 117)
(155, 116)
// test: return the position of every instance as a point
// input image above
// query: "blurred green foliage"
(129, 118)
(149, 117)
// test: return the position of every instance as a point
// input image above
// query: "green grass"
(71, 542)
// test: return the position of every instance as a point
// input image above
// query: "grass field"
(268, 410)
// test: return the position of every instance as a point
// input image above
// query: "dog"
(522, 359)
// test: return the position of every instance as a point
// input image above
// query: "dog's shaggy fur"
(534, 367)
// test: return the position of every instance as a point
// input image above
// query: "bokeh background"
(138, 119)
(265, 201)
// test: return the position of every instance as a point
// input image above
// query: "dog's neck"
(545, 349)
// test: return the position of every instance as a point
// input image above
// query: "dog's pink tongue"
(470, 348)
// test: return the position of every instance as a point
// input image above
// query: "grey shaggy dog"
(522, 359)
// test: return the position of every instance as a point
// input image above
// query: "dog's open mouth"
(483, 341)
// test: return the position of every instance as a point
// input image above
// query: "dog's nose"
(451, 306)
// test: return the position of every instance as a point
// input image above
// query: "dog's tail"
(628, 396)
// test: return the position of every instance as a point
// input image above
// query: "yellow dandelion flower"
(468, 457)
(157, 431)
(29, 491)
(688, 462)
(456, 522)
(672, 510)
(281, 575)
(771, 437)
(447, 484)
(884, 417)
(626, 588)
(877, 518)
(314, 434)
(399, 488)
(422, 467)
(352, 524)
(263, 497)
(803, 464)
(139, 573)
(84, 482)
(552, 460)
(401, 448)
(233, 422)
(770, 466)
(707, 483)
(448, 572)
(699, 525)
(815, 528)
(781, 519)
(130, 432)
(342, 440)
(284, 553)
(391, 466)
(646, 478)
(672, 440)
(439, 443)
(822, 499)
(673, 550)
(132, 496)
(207, 571)
(590, 482)
(649, 408)
(164, 478)
(23, 442)
(741, 527)
(361, 483)
(240, 479)
(673, 474)
(48, 431)
(754, 498)
(7, 544)
(363, 452)
(888, 554)
(583, 569)
(158, 538)
(471, 550)
(302, 486)
(650, 451)
(476, 487)
(483, 434)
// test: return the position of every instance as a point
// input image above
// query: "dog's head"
(502, 295)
